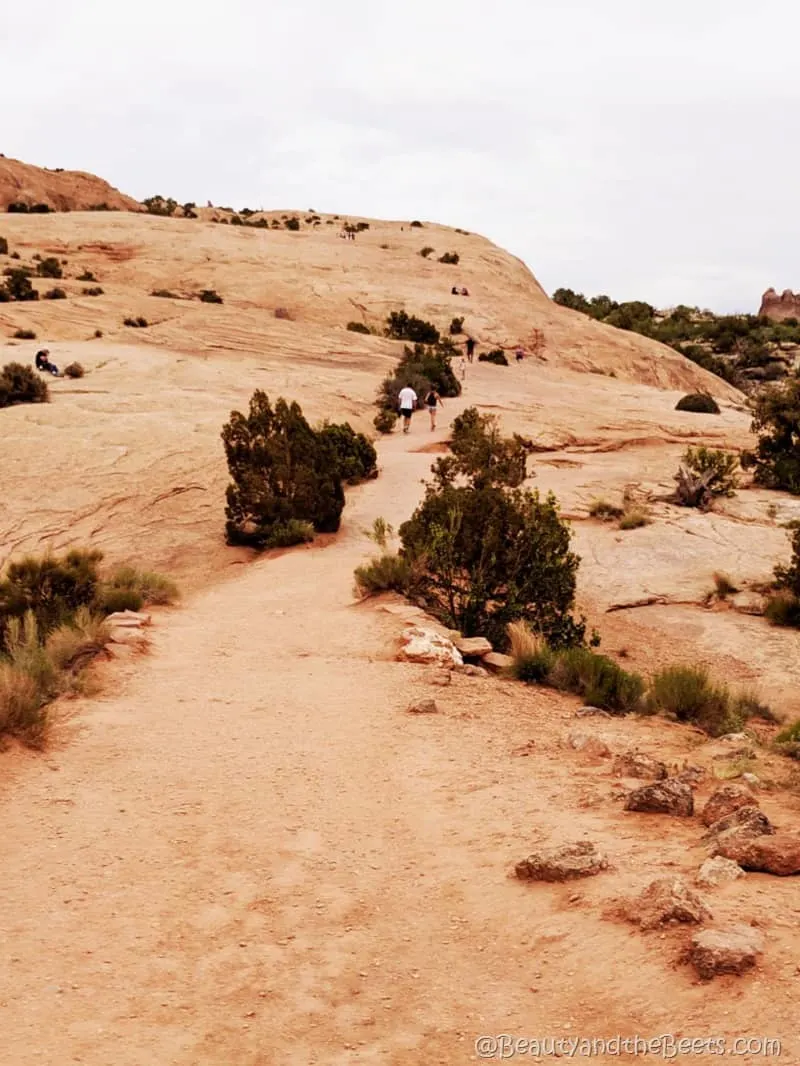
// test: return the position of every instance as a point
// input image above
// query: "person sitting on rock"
(43, 363)
(464, 292)
(454, 291)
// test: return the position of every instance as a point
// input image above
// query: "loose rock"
(727, 799)
(424, 707)
(497, 662)
(441, 677)
(745, 821)
(468, 670)
(718, 871)
(778, 854)
(692, 775)
(591, 746)
(747, 602)
(427, 646)
(131, 619)
(662, 797)
(639, 764)
(667, 899)
(581, 859)
(591, 712)
(473, 647)
(718, 951)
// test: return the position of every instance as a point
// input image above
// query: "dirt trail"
(251, 855)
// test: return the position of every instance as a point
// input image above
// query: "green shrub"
(24, 335)
(457, 326)
(776, 421)
(18, 208)
(480, 453)
(74, 370)
(98, 333)
(210, 296)
(164, 294)
(292, 224)
(280, 469)
(357, 327)
(451, 258)
(87, 275)
(3, 246)
(149, 588)
(688, 693)
(355, 456)
(51, 588)
(496, 356)
(598, 680)
(385, 420)
(634, 518)
(716, 467)
(404, 327)
(698, 403)
(423, 368)
(20, 384)
(49, 268)
(19, 285)
(157, 205)
(55, 294)
(110, 600)
(426, 251)
(288, 534)
(605, 511)
(92, 290)
(533, 659)
(384, 573)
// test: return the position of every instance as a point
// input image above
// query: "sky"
(648, 151)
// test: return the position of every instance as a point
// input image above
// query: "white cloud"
(643, 150)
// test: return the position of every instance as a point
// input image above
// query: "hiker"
(43, 363)
(407, 401)
(470, 346)
(432, 400)
(519, 354)
(454, 291)
(464, 292)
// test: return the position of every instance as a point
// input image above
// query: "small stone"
(718, 871)
(744, 822)
(592, 712)
(473, 647)
(639, 764)
(667, 899)
(594, 747)
(423, 707)
(468, 670)
(692, 776)
(751, 780)
(441, 677)
(778, 854)
(662, 797)
(564, 863)
(496, 662)
(421, 645)
(724, 801)
(732, 950)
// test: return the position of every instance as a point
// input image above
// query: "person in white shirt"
(407, 401)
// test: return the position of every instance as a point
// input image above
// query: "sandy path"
(251, 855)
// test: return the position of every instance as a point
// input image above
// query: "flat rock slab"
(718, 871)
(563, 863)
(497, 662)
(594, 747)
(473, 647)
(663, 797)
(725, 800)
(424, 707)
(778, 854)
(667, 900)
(720, 951)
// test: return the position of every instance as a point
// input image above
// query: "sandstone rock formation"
(61, 190)
(724, 801)
(718, 951)
(663, 797)
(563, 863)
(779, 308)
(718, 871)
(666, 900)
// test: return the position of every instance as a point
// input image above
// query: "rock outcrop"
(61, 190)
(779, 308)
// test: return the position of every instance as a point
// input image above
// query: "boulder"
(423, 707)
(748, 602)
(667, 899)
(564, 863)
(638, 764)
(725, 800)
(473, 647)
(419, 645)
(496, 662)
(744, 821)
(589, 745)
(732, 950)
(692, 776)
(718, 871)
(468, 670)
(751, 780)
(592, 712)
(662, 797)
(778, 854)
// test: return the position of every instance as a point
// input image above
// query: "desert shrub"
(791, 734)
(385, 420)
(136, 323)
(783, 609)
(98, 333)
(292, 224)
(776, 421)
(24, 335)
(384, 573)
(423, 368)
(634, 518)
(22, 711)
(150, 588)
(40, 209)
(688, 693)
(596, 679)
(14, 255)
(164, 294)
(74, 370)
(280, 469)
(723, 586)
(496, 356)
(404, 327)
(3, 246)
(355, 456)
(110, 600)
(210, 296)
(357, 327)
(5, 296)
(699, 403)
(49, 268)
(87, 275)
(288, 534)
(533, 658)
(457, 326)
(19, 285)
(158, 205)
(416, 224)
(284, 313)
(20, 384)
(92, 290)
(451, 258)
(18, 207)
(426, 251)
(481, 454)
(55, 294)
(50, 588)
(73, 645)
(716, 467)
(605, 511)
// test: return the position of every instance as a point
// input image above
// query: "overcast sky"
(647, 150)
